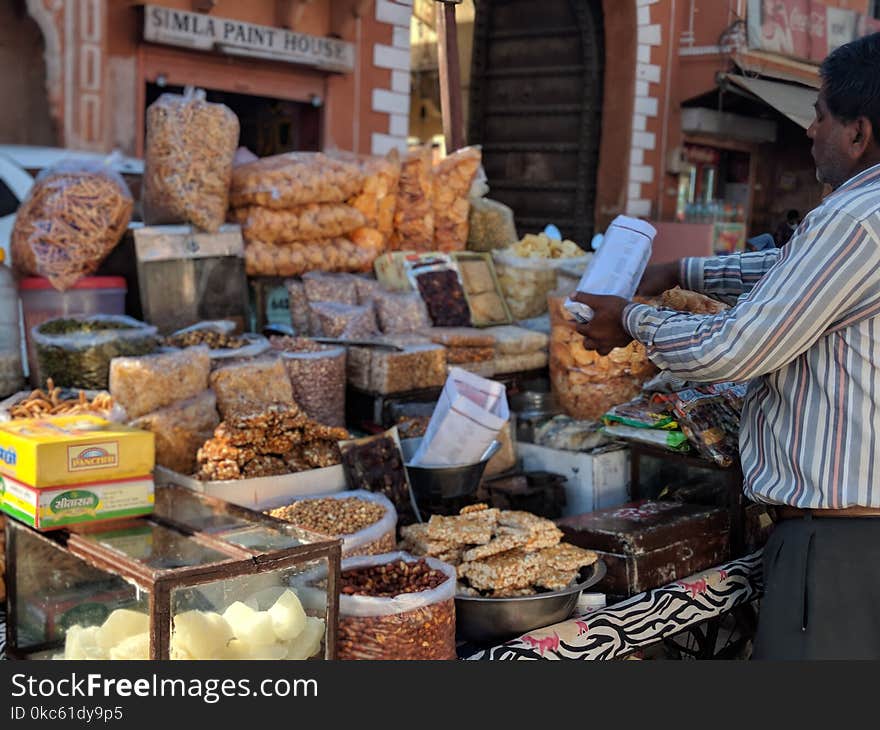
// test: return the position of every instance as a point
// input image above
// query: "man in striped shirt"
(804, 331)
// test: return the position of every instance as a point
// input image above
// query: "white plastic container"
(11, 373)
(40, 302)
(617, 267)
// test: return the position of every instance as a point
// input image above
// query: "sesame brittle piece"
(500, 543)
(566, 557)
(510, 569)
(555, 580)
(471, 529)
(416, 540)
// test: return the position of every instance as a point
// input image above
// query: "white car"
(20, 164)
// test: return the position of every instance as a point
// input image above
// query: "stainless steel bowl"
(444, 482)
(499, 619)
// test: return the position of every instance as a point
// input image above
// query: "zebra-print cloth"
(641, 620)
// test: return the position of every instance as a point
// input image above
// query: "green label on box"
(74, 503)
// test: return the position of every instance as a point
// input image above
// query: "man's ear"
(862, 136)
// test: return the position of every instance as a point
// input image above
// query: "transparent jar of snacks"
(11, 373)
(525, 282)
(585, 383)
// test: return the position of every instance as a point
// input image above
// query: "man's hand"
(605, 331)
(658, 278)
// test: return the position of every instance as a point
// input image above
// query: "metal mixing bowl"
(499, 619)
(444, 482)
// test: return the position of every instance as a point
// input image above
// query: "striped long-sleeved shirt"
(805, 331)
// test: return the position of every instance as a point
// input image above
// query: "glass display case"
(199, 579)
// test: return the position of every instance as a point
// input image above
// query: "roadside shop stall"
(420, 461)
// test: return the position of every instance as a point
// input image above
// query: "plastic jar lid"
(36, 283)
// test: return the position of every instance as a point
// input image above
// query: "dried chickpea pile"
(331, 516)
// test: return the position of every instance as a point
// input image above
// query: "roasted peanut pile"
(331, 516)
(392, 579)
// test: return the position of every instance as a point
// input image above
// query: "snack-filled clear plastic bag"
(585, 383)
(414, 211)
(74, 215)
(302, 223)
(490, 225)
(453, 177)
(461, 337)
(295, 259)
(422, 364)
(521, 363)
(190, 146)
(412, 625)
(76, 352)
(252, 385)
(294, 178)
(323, 287)
(349, 321)
(299, 306)
(141, 385)
(528, 271)
(180, 430)
(399, 313)
(513, 340)
(377, 199)
(320, 515)
(317, 377)
(367, 289)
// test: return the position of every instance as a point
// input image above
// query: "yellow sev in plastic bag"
(190, 146)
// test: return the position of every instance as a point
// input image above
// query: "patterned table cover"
(640, 621)
(635, 623)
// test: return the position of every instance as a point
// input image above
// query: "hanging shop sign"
(234, 37)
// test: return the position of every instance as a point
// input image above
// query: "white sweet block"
(308, 643)
(120, 625)
(288, 617)
(81, 642)
(200, 635)
(132, 648)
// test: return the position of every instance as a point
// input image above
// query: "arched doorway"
(536, 109)
(26, 118)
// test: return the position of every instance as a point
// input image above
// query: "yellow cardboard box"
(60, 450)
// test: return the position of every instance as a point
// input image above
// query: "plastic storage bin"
(40, 302)
(11, 376)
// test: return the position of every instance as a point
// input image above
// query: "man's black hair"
(792, 215)
(851, 80)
